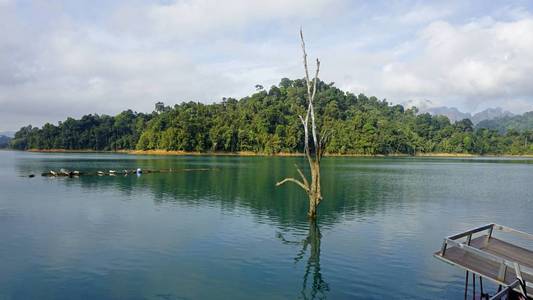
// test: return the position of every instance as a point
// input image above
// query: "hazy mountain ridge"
(452, 113)
(10, 134)
(490, 114)
(4, 141)
(455, 114)
(503, 124)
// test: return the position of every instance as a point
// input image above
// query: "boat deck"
(500, 261)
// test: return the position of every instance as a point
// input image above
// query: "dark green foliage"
(267, 122)
(91, 132)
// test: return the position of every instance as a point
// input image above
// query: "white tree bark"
(312, 187)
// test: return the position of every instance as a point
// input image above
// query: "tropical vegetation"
(267, 122)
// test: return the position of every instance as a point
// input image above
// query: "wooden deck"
(491, 257)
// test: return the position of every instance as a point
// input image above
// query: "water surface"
(229, 233)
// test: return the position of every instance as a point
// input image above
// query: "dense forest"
(267, 122)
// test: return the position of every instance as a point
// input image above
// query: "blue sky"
(69, 58)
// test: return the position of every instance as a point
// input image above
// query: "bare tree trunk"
(313, 157)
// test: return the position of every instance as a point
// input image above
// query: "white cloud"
(193, 17)
(423, 14)
(477, 62)
(141, 54)
(56, 63)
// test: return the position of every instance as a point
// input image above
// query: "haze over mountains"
(7, 133)
(455, 114)
(491, 118)
(5, 138)
(518, 123)
(4, 141)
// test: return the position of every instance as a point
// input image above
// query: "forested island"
(266, 123)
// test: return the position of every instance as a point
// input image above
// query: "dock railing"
(505, 292)
(520, 270)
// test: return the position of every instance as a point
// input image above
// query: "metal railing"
(519, 270)
(505, 292)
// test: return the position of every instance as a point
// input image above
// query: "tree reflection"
(234, 182)
(313, 284)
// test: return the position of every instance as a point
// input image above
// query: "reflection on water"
(318, 286)
(313, 284)
(230, 233)
(234, 183)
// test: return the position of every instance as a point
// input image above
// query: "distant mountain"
(503, 124)
(8, 133)
(452, 113)
(490, 114)
(455, 114)
(4, 141)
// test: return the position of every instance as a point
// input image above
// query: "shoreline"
(281, 154)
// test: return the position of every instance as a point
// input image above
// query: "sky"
(70, 58)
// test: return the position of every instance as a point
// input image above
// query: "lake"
(229, 233)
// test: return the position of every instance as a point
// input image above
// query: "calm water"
(228, 233)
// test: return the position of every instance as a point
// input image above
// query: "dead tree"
(314, 151)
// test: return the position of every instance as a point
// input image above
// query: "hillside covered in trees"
(267, 122)
(507, 124)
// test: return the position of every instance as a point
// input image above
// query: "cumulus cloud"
(483, 62)
(204, 16)
(138, 55)
(60, 59)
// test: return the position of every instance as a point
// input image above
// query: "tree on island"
(313, 154)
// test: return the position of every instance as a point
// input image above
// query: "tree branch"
(325, 135)
(313, 127)
(305, 64)
(303, 176)
(302, 119)
(311, 92)
(316, 78)
(293, 181)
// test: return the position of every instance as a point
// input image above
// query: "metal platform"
(477, 251)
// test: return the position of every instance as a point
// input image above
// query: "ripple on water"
(233, 234)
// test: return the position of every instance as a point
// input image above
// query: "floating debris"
(126, 172)
(61, 173)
